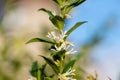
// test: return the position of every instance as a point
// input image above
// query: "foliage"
(60, 47)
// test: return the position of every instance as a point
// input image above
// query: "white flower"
(57, 36)
(71, 51)
(68, 75)
(64, 45)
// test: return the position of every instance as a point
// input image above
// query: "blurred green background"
(97, 41)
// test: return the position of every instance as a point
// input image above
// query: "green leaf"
(69, 65)
(59, 2)
(43, 74)
(41, 40)
(47, 11)
(34, 69)
(57, 21)
(52, 64)
(59, 55)
(38, 72)
(76, 3)
(73, 28)
(67, 8)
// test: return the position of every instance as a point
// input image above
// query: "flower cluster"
(59, 38)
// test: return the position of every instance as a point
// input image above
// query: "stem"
(38, 75)
(61, 65)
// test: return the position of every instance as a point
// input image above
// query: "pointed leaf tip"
(69, 65)
(40, 40)
(74, 27)
(51, 63)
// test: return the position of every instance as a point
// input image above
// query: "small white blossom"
(68, 75)
(68, 49)
(62, 47)
(72, 51)
(57, 36)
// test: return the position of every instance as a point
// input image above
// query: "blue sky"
(97, 13)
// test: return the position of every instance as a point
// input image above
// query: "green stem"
(61, 65)
(38, 75)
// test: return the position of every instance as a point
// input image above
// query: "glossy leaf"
(67, 8)
(76, 3)
(60, 2)
(74, 27)
(52, 64)
(47, 11)
(34, 69)
(41, 40)
(68, 66)
(57, 21)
